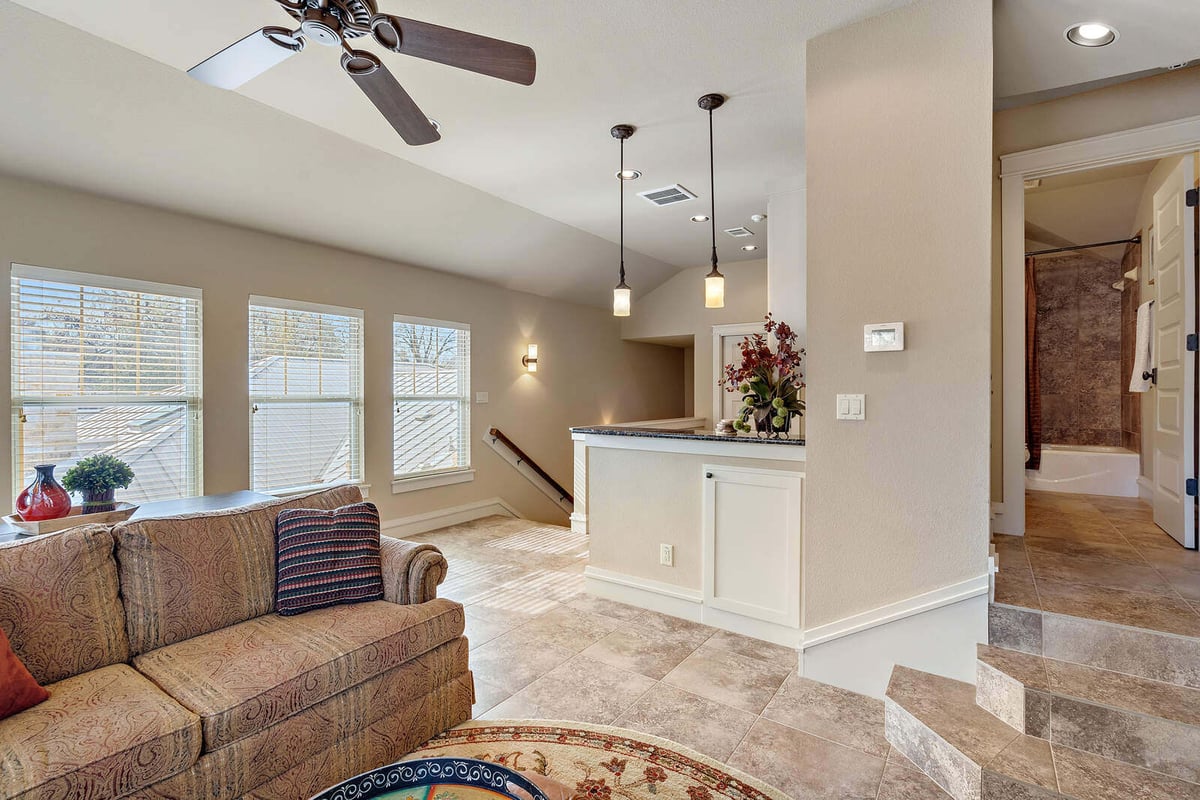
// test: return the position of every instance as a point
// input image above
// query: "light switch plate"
(481, 397)
(851, 406)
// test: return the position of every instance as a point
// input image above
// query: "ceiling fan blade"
(247, 58)
(455, 48)
(382, 88)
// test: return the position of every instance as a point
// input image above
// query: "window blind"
(431, 376)
(306, 395)
(107, 365)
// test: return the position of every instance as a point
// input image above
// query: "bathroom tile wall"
(1131, 403)
(1079, 349)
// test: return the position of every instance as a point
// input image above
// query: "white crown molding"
(1137, 144)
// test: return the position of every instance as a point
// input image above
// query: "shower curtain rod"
(1130, 240)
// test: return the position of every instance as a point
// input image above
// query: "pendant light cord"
(621, 185)
(712, 188)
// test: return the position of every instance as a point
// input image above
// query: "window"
(107, 365)
(306, 395)
(431, 376)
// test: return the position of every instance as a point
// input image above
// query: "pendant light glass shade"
(622, 294)
(714, 290)
(622, 300)
(714, 281)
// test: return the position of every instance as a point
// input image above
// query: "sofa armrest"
(411, 570)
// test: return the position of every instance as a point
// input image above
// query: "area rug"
(595, 762)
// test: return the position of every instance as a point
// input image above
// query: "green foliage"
(98, 473)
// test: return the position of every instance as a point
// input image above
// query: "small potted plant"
(97, 479)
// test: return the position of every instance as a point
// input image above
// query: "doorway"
(1085, 407)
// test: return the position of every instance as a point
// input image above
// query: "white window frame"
(356, 401)
(428, 479)
(192, 403)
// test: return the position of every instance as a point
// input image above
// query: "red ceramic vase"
(43, 499)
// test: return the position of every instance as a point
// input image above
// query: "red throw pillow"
(327, 558)
(18, 689)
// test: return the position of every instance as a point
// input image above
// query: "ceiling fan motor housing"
(322, 27)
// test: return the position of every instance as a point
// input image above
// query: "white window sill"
(417, 483)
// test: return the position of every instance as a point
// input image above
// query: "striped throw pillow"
(327, 558)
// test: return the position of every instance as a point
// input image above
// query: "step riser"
(956, 774)
(1162, 745)
(1148, 654)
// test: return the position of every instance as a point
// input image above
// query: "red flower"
(655, 774)
(591, 788)
(699, 793)
(616, 765)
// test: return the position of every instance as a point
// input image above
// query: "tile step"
(1159, 656)
(1123, 717)
(971, 754)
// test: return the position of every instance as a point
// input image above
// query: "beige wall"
(897, 505)
(587, 375)
(1161, 98)
(673, 510)
(677, 309)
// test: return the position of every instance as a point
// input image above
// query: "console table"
(166, 508)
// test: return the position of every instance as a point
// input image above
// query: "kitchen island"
(696, 525)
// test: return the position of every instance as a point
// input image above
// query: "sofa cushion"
(59, 603)
(415, 688)
(18, 689)
(327, 557)
(191, 574)
(104, 733)
(249, 676)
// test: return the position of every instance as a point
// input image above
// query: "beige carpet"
(572, 760)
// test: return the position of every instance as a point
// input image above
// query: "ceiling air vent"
(668, 195)
(739, 233)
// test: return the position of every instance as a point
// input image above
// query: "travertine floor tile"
(755, 648)
(1098, 572)
(830, 712)
(581, 689)
(642, 651)
(487, 695)
(729, 678)
(1086, 775)
(570, 628)
(1136, 609)
(512, 661)
(807, 767)
(701, 724)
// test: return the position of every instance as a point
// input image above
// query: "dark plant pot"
(764, 421)
(99, 502)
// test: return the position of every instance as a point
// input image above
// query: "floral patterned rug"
(576, 761)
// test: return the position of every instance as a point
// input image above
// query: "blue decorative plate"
(436, 779)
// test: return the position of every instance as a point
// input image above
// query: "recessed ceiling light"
(1091, 34)
(700, 218)
(757, 217)
(750, 248)
(629, 174)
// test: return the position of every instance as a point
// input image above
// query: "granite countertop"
(704, 434)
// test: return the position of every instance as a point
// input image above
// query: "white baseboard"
(1145, 488)
(896, 611)
(578, 522)
(664, 598)
(444, 517)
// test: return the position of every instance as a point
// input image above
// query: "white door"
(1174, 270)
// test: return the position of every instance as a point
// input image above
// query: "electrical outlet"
(666, 555)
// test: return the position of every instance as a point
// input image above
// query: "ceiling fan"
(334, 23)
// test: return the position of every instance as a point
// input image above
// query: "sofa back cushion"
(59, 603)
(196, 573)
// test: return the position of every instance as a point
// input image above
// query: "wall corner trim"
(928, 601)
(444, 517)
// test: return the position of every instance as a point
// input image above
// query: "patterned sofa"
(170, 677)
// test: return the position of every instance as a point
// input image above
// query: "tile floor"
(1102, 558)
(541, 648)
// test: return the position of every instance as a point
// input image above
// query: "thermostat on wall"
(881, 336)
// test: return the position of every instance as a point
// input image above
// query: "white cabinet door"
(1174, 270)
(752, 535)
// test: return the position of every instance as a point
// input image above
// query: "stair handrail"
(522, 457)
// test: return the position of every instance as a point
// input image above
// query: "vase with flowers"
(770, 381)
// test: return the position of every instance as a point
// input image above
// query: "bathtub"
(1086, 469)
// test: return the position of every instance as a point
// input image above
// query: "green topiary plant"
(97, 478)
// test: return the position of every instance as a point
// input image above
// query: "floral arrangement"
(769, 380)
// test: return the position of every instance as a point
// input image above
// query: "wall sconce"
(530, 359)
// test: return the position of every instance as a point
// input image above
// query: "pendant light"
(622, 294)
(714, 281)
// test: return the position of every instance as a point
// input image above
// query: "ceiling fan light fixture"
(1091, 34)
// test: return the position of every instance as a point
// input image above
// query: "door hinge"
(1192, 198)
(1189, 487)
(1193, 342)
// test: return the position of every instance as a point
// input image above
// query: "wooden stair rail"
(533, 465)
